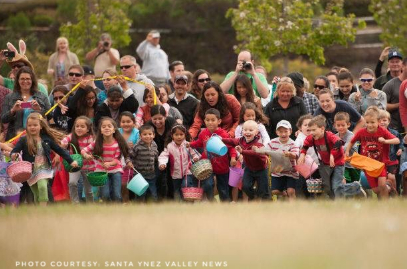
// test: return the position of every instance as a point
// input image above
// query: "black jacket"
(292, 113)
(129, 103)
(48, 144)
(187, 107)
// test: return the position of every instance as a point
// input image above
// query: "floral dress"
(41, 169)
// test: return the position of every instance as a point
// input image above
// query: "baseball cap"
(155, 34)
(88, 70)
(181, 77)
(297, 78)
(394, 54)
(283, 123)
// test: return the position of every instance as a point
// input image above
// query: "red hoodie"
(220, 164)
(334, 145)
(253, 160)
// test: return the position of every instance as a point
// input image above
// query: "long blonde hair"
(45, 129)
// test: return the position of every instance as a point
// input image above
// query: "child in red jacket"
(256, 164)
(220, 164)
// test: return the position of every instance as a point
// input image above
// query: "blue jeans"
(332, 180)
(222, 183)
(249, 177)
(181, 183)
(152, 188)
(112, 190)
(207, 185)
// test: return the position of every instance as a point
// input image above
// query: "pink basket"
(20, 171)
(192, 193)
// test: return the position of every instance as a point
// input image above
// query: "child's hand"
(195, 159)
(74, 164)
(357, 96)
(239, 149)
(187, 144)
(233, 161)
(381, 140)
(87, 156)
(105, 165)
(399, 152)
(255, 148)
(130, 144)
(162, 167)
(347, 153)
(301, 159)
(331, 161)
(130, 165)
(14, 156)
(241, 158)
(56, 160)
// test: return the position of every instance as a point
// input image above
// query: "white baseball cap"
(284, 123)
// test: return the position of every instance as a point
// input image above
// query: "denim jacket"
(48, 144)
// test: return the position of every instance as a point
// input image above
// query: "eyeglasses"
(204, 79)
(56, 98)
(126, 66)
(18, 65)
(75, 74)
(366, 80)
(321, 87)
(24, 79)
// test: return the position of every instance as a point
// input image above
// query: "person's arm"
(51, 70)
(163, 158)
(196, 126)
(230, 79)
(392, 107)
(93, 53)
(60, 151)
(230, 141)
(8, 112)
(197, 143)
(355, 102)
(234, 107)
(382, 58)
(359, 125)
(264, 135)
(142, 49)
(261, 83)
(114, 58)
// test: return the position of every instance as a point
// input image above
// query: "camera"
(106, 44)
(9, 54)
(246, 65)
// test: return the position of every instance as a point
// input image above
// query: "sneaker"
(362, 191)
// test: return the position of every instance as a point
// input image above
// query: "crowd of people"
(156, 120)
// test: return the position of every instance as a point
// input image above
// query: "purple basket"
(13, 199)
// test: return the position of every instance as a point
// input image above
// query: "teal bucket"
(363, 181)
(215, 145)
(138, 185)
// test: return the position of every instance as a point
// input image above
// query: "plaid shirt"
(311, 102)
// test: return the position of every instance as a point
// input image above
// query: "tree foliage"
(272, 27)
(391, 16)
(94, 17)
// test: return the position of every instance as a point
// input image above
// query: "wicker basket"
(192, 193)
(20, 171)
(202, 169)
(97, 179)
(76, 157)
(314, 185)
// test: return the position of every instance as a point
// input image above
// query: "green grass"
(341, 234)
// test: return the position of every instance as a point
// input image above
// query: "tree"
(271, 27)
(95, 17)
(391, 16)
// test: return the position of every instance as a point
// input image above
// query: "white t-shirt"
(102, 62)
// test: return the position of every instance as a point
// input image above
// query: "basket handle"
(186, 182)
(18, 157)
(76, 151)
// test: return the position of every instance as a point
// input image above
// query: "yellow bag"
(372, 167)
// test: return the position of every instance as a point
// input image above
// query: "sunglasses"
(56, 98)
(75, 75)
(204, 79)
(366, 80)
(125, 66)
(319, 87)
(18, 65)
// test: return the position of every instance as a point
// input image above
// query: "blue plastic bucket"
(363, 181)
(138, 185)
(215, 145)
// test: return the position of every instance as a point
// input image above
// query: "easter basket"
(314, 185)
(201, 169)
(20, 171)
(192, 193)
(76, 157)
(97, 179)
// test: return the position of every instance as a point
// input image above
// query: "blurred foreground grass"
(341, 234)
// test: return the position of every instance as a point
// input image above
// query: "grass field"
(341, 234)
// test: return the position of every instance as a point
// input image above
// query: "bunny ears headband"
(20, 56)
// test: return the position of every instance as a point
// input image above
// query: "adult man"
(176, 68)
(105, 57)
(245, 65)
(128, 66)
(392, 90)
(155, 60)
(183, 101)
(395, 61)
(310, 100)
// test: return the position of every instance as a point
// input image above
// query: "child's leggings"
(73, 186)
(40, 190)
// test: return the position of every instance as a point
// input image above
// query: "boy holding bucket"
(256, 164)
(331, 160)
(219, 161)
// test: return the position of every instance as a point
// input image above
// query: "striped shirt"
(83, 143)
(111, 152)
(290, 146)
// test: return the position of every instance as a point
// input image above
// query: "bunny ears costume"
(20, 57)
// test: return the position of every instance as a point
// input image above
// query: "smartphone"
(26, 105)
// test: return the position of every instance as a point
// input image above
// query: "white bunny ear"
(22, 46)
(11, 47)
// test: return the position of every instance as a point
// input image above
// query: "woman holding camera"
(24, 99)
